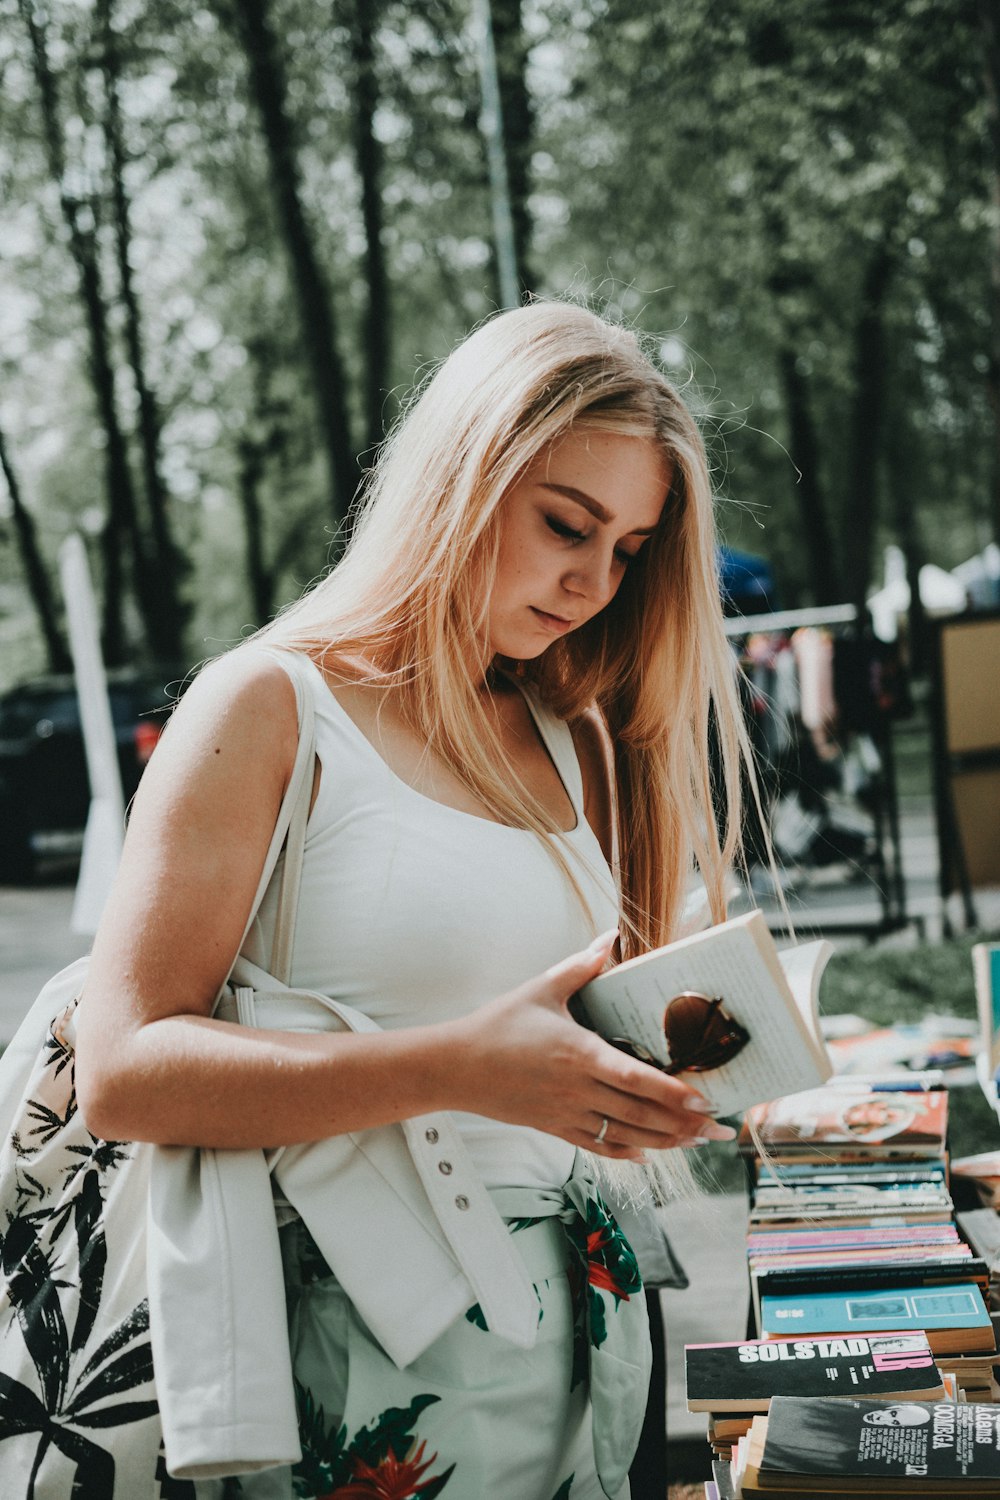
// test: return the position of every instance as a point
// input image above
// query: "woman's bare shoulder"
(228, 748)
(246, 699)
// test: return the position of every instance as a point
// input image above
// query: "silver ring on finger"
(598, 1138)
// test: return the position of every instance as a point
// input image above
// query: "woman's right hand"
(523, 1059)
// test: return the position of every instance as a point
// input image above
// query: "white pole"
(491, 123)
(102, 840)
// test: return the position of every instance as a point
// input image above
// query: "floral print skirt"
(474, 1416)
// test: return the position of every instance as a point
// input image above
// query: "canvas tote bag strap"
(290, 827)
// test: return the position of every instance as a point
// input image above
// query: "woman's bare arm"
(152, 1065)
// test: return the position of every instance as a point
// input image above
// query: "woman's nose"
(594, 578)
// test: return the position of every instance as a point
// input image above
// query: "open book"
(722, 1009)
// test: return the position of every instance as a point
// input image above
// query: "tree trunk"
(121, 526)
(804, 448)
(518, 116)
(35, 572)
(866, 425)
(786, 282)
(900, 468)
(316, 311)
(259, 576)
(163, 609)
(368, 152)
(989, 20)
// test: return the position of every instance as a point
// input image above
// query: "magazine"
(852, 1123)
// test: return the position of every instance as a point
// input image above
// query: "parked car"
(44, 788)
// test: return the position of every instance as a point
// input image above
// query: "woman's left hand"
(522, 1058)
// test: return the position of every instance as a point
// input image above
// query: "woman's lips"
(555, 623)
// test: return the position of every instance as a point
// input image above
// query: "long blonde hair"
(410, 596)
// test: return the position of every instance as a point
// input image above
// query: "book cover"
(875, 1255)
(787, 1218)
(918, 1441)
(822, 1197)
(983, 1170)
(720, 1008)
(806, 1239)
(986, 971)
(955, 1255)
(935, 1041)
(843, 1122)
(722, 1474)
(981, 1227)
(745, 1376)
(791, 1173)
(954, 1316)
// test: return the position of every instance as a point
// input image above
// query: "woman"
(532, 580)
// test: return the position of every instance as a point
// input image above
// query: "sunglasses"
(699, 1035)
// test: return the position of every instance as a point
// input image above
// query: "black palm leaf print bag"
(78, 1413)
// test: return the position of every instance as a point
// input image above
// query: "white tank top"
(415, 912)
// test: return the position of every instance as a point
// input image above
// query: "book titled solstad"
(954, 1317)
(745, 1376)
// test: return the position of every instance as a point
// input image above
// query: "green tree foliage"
(285, 211)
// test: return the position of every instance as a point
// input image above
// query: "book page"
(803, 968)
(782, 1056)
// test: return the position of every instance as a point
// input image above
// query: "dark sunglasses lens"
(720, 1039)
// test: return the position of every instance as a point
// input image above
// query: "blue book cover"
(954, 1316)
(986, 968)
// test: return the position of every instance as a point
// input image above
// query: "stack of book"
(873, 1372)
(852, 1228)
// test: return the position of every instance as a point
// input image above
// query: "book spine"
(862, 1278)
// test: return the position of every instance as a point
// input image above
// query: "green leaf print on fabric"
(477, 1317)
(382, 1462)
(562, 1493)
(603, 1262)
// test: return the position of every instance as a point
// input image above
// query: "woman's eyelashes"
(561, 529)
(570, 534)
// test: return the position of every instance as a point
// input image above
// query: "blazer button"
(431, 1135)
(461, 1201)
(445, 1168)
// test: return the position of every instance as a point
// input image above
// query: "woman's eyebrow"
(596, 509)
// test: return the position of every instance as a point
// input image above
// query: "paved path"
(708, 1235)
(35, 941)
(839, 895)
